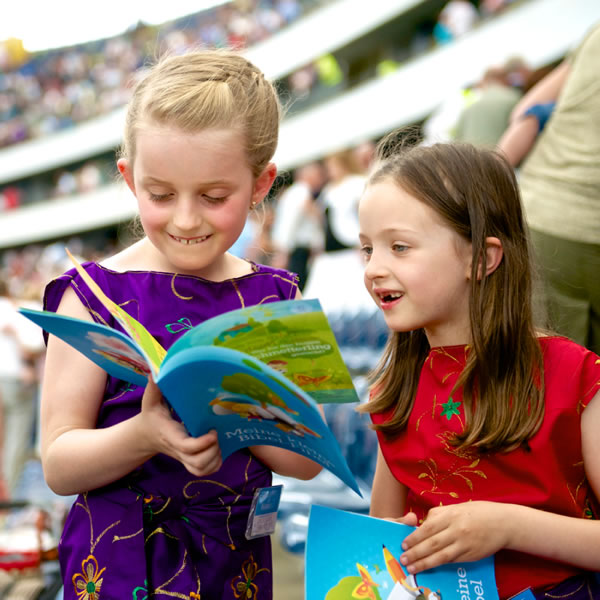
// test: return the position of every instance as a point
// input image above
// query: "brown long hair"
(475, 191)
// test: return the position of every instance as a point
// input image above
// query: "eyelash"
(158, 197)
(214, 200)
(162, 197)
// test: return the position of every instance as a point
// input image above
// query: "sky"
(54, 23)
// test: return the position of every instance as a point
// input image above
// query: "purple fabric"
(160, 530)
(580, 587)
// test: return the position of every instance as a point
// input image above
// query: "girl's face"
(194, 191)
(417, 268)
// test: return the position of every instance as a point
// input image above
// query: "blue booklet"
(255, 374)
(349, 555)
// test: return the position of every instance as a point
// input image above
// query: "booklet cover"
(254, 374)
(349, 555)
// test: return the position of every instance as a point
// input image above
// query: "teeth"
(189, 241)
(390, 297)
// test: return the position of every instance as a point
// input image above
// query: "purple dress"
(160, 531)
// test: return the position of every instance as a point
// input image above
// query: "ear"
(263, 184)
(493, 256)
(127, 173)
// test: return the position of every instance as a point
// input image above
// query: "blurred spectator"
(456, 18)
(20, 346)
(483, 121)
(302, 81)
(10, 197)
(339, 200)
(66, 184)
(560, 185)
(88, 177)
(441, 123)
(491, 7)
(298, 228)
(518, 139)
(365, 154)
(329, 71)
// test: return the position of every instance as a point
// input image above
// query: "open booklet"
(349, 555)
(254, 374)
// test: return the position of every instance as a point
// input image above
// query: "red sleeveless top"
(548, 476)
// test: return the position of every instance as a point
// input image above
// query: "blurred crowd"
(54, 90)
(50, 91)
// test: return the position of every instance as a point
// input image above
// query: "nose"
(375, 268)
(187, 215)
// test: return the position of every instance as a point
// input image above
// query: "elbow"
(55, 479)
(305, 471)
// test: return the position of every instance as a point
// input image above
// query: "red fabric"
(550, 476)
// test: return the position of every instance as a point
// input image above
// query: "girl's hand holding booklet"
(255, 374)
(349, 555)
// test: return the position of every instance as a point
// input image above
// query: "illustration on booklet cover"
(349, 555)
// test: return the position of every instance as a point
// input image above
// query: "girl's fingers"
(426, 561)
(205, 464)
(428, 529)
(430, 551)
(193, 445)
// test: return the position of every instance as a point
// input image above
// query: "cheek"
(228, 219)
(150, 215)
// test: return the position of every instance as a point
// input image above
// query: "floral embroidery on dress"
(180, 325)
(450, 408)
(88, 583)
(438, 477)
(243, 585)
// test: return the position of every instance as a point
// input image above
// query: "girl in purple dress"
(158, 513)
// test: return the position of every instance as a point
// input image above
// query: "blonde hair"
(207, 89)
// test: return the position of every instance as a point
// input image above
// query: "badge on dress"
(263, 512)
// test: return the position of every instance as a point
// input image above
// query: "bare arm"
(285, 462)
(388, 495)
(472, 530)
(76, 456)
(518, 139)
(545, 90)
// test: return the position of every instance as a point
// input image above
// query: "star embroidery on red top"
(450, 408)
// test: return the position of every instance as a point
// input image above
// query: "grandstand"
(360, 105)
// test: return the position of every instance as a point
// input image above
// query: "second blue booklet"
(349, 555)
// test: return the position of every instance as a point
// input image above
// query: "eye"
(366, 252)
(214, 199)
(399, 248)
(158, 197)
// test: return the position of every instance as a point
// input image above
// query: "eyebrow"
(152, 179)
(397, 231)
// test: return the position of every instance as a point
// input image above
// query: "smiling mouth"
(390, 297)
(189, 241)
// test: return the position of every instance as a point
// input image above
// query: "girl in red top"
(488, 429)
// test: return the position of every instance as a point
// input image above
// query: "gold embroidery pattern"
(243, 585)
(224, 486)
(438, 477)
(86, 508)
(237, 291)
(175, 292)
(87, 584)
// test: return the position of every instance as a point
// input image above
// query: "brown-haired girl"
(488, 429)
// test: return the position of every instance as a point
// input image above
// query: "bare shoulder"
(137, 257)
